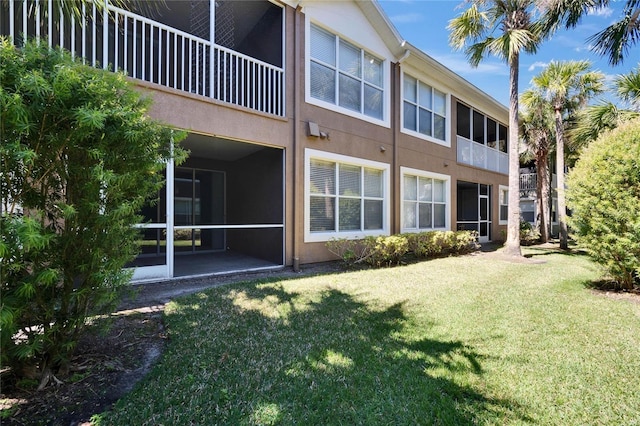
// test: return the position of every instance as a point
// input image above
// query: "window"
(425, 201)
(485, 130)
(463, 115)
(504, 205)
(345, 195)
(345, 75)
(424, 109)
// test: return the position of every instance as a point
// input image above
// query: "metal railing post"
(105, 35)
(212, 38)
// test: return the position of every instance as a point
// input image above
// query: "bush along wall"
(397, 249)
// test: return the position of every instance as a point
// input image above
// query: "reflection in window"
(345, 197)
(338, 66)
(424, 203)
(424, 108)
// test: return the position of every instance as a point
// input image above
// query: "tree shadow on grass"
(547, 250)
(260, 354)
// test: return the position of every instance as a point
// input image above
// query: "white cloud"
(406, 18)
(603, 12)
(460, 65)
(537, 64)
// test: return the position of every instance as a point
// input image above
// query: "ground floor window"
(425, 200)
(503, 204)
(346, 196)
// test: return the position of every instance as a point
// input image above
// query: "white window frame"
(385, 121)
(501, 190)
(404, 171)
(447, 127)
(312, 154)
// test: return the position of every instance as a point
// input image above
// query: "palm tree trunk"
(543, 191)
(562, 209)
(546, 195)
(512, 245)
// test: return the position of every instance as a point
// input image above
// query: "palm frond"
(628, 87)
(565, 13)
(467, 27)
(593, 120)
(616, 40)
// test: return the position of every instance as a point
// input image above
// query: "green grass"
(451, 341)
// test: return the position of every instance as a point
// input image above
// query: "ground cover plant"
(456, 340)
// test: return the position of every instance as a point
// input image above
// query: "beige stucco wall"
(347, 136)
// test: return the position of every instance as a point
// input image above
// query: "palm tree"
(503, 28)
(567, 86)
(594, 119)
(537, 127)
(628, 88)
(614, 41)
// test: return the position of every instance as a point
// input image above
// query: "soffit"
(218, 148)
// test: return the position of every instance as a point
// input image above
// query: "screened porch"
(221, 211)
(231, 51)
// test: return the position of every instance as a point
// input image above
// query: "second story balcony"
(528, 185)
(230, 51)
(482, 156)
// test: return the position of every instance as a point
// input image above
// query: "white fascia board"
(460, 88)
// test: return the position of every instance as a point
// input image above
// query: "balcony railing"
(115, 39)
(528, 182)
(482, 156)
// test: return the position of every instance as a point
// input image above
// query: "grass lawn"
(453, 341)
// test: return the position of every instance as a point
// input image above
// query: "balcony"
(482, 156)
(242, 66)
(528, 182)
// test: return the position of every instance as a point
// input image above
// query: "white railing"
(478, 155)
(116, 39)
(528, 182)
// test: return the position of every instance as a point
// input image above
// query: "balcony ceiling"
(218, 148)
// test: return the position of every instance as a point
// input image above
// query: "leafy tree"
(503, 28)
(604, 195)
(567, 86)
(80, 157)
(537, 125)
(614, 41)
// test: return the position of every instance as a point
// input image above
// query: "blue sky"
(424, 24)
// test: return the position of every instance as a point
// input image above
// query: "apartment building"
(306, 121)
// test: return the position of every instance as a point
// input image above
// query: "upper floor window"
(475, 126)
(424, 109)
(342, 74)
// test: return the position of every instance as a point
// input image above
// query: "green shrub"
(528, 234)
(350, 251)
(466, 242)
(441, 243)
(604, 196)
(387, 251)
(80, 156)
(374, 251)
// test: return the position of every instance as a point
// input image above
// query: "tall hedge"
(79, 159)
(604, 196)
